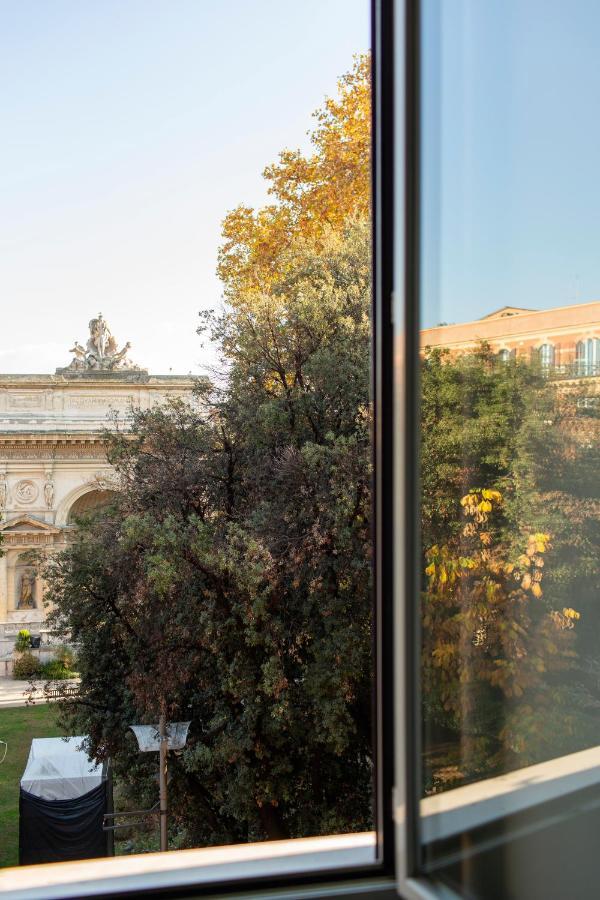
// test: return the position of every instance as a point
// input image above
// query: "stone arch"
(88, 502)
(64, 513)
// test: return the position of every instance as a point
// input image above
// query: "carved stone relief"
(26, 491)
(106, 481)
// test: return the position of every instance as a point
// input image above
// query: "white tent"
(57, 769)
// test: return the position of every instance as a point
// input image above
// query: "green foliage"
(54, 670)
(65, 656)
(26, 666)
(231, 582)
(510, 666)
(23, 641)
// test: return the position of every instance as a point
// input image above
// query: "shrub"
(64, 655)
(23, 641)
(26, 666)
(54, 670)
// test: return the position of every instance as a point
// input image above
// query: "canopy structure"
(57, 769)
(62, 802)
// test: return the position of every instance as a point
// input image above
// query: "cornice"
(108, 380)
(19, 439)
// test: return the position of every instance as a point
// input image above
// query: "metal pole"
(110, 808)
(163, 782)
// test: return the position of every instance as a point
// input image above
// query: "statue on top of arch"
(101, 352)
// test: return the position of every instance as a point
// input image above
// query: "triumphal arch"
(52, 459)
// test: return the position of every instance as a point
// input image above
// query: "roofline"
(83, 380)
(520, 317)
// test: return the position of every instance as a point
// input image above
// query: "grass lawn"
(17, 727)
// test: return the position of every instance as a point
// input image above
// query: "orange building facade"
(565, 340)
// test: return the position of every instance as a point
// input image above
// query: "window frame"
(523, 789)
(378, 878)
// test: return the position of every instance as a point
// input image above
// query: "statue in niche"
(49, 491)
(101, 353)
(27, 591)
(3, 491)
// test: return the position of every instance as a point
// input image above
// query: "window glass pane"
(185, 478)
(510, 446)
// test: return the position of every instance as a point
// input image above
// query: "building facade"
(566, 340)
(53, 463)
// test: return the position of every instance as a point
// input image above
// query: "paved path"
(16, 693)
(13, 693)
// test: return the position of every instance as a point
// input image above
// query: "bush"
(65, 655)
(54, 670)
(23, 641)
(26, 666)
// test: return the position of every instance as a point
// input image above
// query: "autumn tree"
(313, 195)
(491, 644)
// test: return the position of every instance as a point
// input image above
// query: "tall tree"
(230, 582)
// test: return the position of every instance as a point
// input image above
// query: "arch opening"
(90, 502)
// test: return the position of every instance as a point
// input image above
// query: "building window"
(505, 355)
(546, 354)
(587, 360)
(216, 647)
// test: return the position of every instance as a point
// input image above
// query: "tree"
(503, 647)
(491, 643)
(241, 603)
(313, 195)
(230, 582)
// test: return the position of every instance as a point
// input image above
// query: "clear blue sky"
(129, 129)
(512, 194)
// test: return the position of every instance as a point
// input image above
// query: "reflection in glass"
(510, 453)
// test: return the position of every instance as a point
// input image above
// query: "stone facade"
(53, 463)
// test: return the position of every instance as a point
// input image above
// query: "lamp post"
(168, 736)
(162, 783)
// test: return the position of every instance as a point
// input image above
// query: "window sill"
(184, 868)
(452, 812)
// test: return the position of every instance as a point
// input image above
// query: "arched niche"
(24, 584)
(89, 502)
(75, 504)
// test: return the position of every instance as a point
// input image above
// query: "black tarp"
(61, 830)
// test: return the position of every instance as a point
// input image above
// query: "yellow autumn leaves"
(444, 566)
(313, 194)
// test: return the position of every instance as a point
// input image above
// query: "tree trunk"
(272, 823)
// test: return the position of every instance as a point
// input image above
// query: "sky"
(511, 156)
(128, 129)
